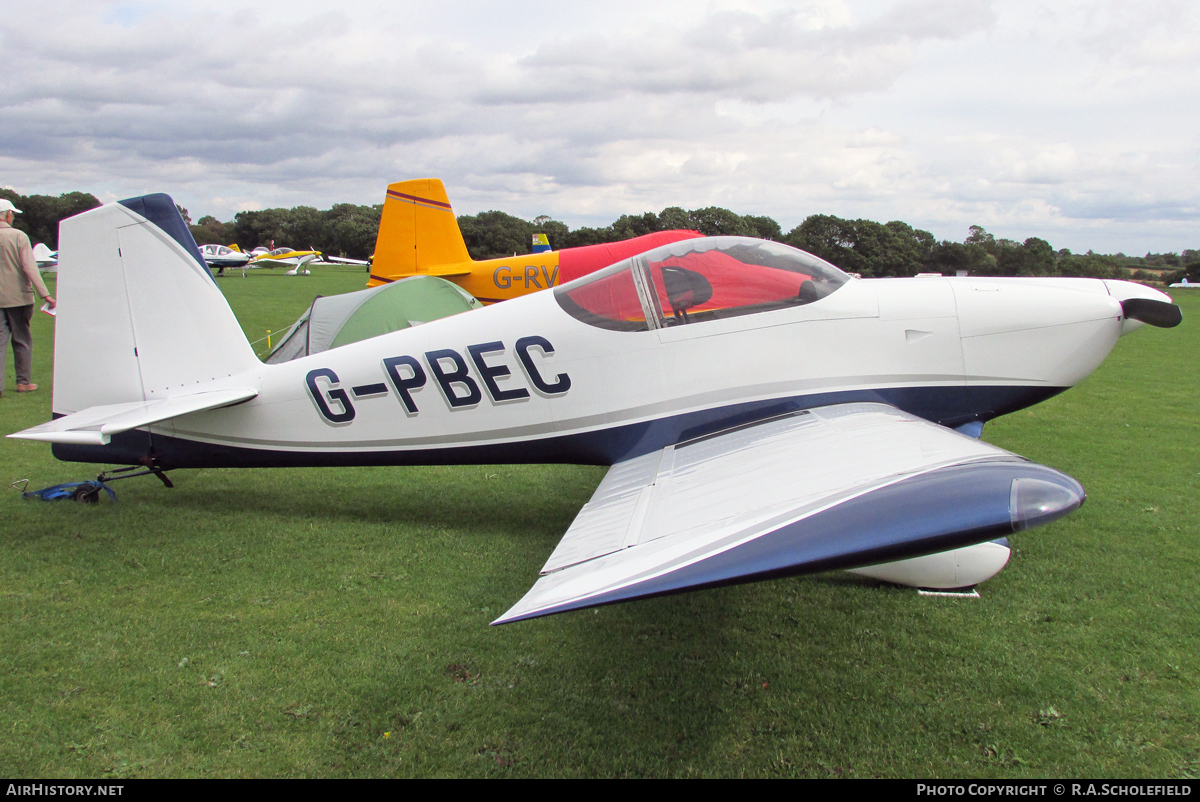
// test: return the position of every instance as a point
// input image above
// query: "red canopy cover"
(576, 262)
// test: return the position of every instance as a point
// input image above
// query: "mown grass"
(334, 623)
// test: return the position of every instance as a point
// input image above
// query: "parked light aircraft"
(295, 261)
(223, 256)
(44, 257)
(216, 255)
(1184, 284)
(419, 236)
(282, 254)
(762, 413)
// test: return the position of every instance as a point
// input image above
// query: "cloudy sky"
(1073, 120)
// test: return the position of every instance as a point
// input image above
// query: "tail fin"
(139, 316)
(418, 233)
(43, 255)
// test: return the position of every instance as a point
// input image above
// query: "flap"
(96, 425)
(833, 487)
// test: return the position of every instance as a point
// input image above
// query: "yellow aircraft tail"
(418, 234)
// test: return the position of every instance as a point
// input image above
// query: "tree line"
(344, 230)
(40, 214)
(865, 247)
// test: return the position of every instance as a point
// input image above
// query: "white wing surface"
(833, 487)
(341, 260)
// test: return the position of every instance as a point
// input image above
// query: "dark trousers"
(14, 324)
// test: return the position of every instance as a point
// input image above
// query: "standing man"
(19, 277)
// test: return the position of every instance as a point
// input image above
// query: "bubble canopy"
(697, 280)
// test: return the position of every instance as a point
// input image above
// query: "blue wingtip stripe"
(937, 511)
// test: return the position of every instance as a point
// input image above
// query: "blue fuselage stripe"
(949, 406)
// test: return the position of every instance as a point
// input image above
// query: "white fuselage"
(524, 381)
(222, 256)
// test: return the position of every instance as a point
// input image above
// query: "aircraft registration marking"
(458, 383)
(367, 390)
(504, 276)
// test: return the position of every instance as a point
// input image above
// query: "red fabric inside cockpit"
(613, 298)
(734, 283)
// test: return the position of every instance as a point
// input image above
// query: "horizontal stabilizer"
(437, 272)
(834, 487)
(445, 272)
(96, 425)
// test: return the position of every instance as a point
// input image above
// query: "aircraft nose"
(1006, 306)
(1035, 332)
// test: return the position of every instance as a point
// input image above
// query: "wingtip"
(518, 613)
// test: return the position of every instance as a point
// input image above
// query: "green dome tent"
(337, 320)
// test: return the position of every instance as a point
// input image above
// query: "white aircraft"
(44, 257)
(763, 413)
(222, 256)
(1184, 284)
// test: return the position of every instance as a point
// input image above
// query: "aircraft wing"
(840, 486)
(96, 425)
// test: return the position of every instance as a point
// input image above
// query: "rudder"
(417, 232)
(139, 315)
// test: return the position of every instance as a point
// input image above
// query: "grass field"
(334, 623)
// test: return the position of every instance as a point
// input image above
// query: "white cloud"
(942, 113)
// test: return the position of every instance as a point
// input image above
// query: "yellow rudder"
(418, 233)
